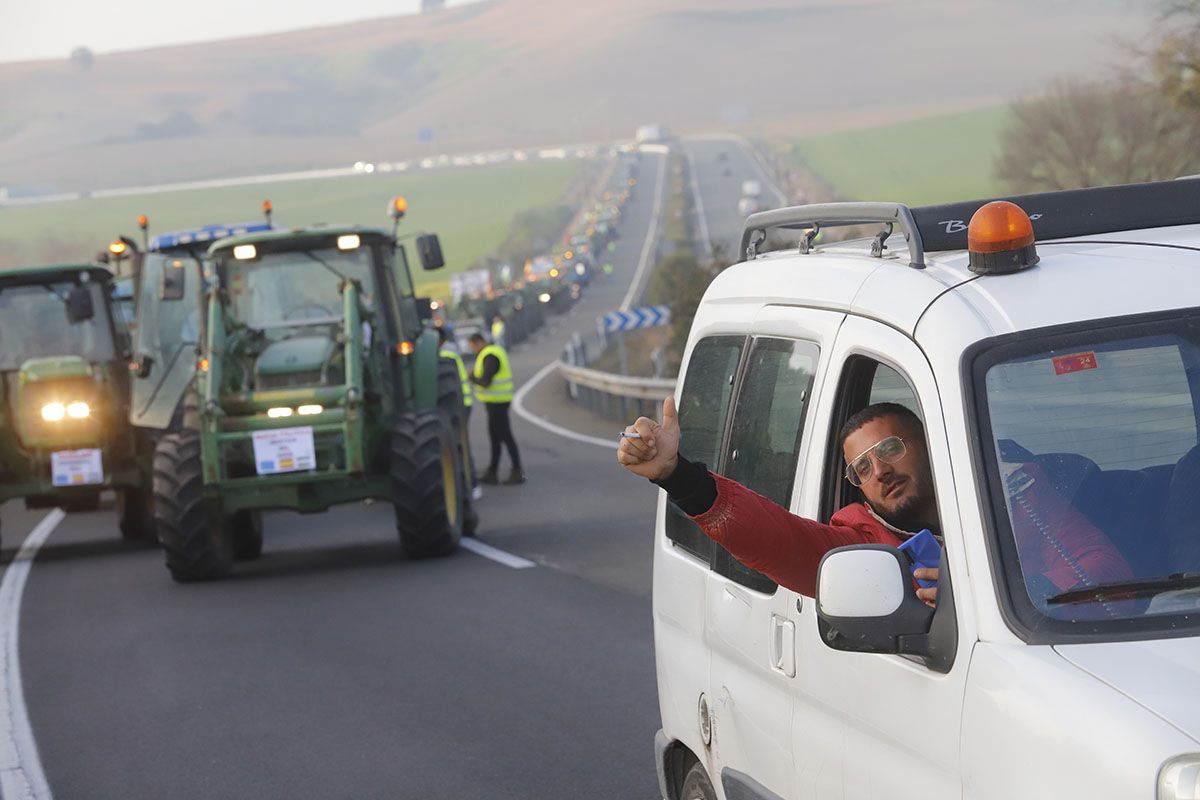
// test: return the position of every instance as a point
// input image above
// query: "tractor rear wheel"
(450, 400)
(246, 530)
(427, 487)
(135, 515)
(190, 528)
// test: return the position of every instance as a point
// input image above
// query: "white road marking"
(704, 235)
(21, 773)
(497, 555)
(518, 405)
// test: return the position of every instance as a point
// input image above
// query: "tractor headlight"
(309, 410)
(53, 412)
(544, 297)
(78, 410)
(279, 411)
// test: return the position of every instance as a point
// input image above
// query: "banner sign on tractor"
(76, 467)
(284, 450)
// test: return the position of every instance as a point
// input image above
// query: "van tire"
(696, 785)
(190, 529)
(429, 510)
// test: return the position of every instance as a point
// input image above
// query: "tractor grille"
(288, 380)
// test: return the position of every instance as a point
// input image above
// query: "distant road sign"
(424, 134)
(635, 318)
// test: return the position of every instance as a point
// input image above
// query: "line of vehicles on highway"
(212, 374)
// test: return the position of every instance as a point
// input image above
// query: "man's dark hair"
(479, 338)
(442, 335)
(877, 410)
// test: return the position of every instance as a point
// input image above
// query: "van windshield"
(36, 325)
(1095, 473)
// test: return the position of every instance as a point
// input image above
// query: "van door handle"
(783, 645)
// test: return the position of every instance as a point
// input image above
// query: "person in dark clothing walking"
(493, 380)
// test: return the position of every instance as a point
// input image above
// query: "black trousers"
(500, 433)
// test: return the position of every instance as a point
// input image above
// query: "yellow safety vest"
(501, 390)
(468, 395)
(497, 331)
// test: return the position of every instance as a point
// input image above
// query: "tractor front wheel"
(189, 526)
(135, 515)
(427, 487)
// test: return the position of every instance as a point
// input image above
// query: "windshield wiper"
(1139, 587)
(325, 264)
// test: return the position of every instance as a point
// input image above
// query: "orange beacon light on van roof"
(1000, 239)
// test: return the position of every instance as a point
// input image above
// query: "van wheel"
(696, 785)
(190, 529)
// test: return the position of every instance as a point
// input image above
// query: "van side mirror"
(79, 305)
(429, 249)
(172, 285)
(866, 603)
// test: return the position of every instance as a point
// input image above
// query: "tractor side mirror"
(424, 308)
(79, 305)
(429, 248)
(172, 285)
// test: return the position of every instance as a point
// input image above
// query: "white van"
(1080, 354)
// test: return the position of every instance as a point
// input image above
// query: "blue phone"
(923, 550)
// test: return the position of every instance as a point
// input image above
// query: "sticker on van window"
(1076, 362)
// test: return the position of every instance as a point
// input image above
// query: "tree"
(679, 281)
(83, 57)
(1175, 61)
(1092, 134)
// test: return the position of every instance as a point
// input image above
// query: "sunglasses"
(861, 467)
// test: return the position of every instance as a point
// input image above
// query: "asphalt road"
(719, 166)
(333, 667)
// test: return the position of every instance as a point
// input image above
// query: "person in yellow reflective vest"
(493, 379)
(468, 396)
(498, 331)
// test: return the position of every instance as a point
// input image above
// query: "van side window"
(764, 438)
(887, 386)
(703, 409)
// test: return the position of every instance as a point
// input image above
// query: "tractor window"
(165, 326)
(297, 288)
(36, 325)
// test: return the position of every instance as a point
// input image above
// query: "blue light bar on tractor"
(209, 233)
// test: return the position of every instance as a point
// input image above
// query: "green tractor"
(64, 395)
(317, 382)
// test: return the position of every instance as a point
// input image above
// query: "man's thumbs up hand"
(655, 454)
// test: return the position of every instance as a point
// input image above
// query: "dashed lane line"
(21, 773)
(495, 554)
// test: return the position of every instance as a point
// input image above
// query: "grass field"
(932, 160)
(471, 209)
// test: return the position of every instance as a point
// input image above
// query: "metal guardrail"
(618, 397)
(620, 385)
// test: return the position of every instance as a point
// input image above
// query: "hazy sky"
(34, 29)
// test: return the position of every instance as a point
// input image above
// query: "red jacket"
(788, 549)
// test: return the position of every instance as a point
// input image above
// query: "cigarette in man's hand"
(625, 435)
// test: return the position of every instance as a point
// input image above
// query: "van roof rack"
(1055, 215)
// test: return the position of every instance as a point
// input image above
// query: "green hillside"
(471, 209)
(931, 160)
